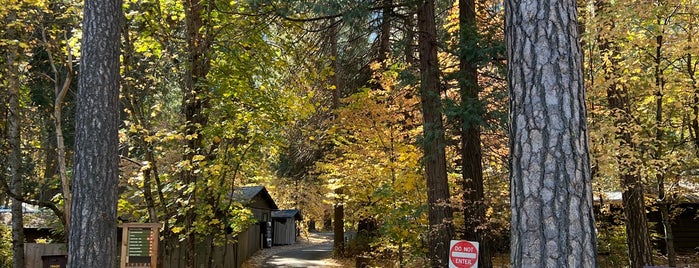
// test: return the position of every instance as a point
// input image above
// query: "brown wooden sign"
(139, 246)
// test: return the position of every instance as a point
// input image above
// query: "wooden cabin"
(285, 227)
(260, 203)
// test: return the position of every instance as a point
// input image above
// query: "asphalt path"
(311, 256)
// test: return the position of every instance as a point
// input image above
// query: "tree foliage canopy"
(308, 97)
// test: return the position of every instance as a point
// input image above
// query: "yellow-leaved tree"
(376, 159)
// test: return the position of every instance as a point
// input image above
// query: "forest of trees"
(407, 122)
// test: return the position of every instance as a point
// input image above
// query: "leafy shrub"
(5, 246)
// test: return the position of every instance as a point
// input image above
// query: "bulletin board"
(139, 246)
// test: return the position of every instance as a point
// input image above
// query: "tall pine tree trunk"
(409, 49)
(93, 240)
(14, 158)
(385, 41)
(637, 236)
(441, 229)
(471, 166)
(551, 190)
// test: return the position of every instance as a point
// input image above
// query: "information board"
(140, 245)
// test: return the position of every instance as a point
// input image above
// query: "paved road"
(311, 256)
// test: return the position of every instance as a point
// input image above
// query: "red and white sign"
(463, 254)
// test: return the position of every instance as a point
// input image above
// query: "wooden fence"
(230, 254)
(34, 251)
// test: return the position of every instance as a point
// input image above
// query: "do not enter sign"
(463, 254)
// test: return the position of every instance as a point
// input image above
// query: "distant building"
(684, 222)
(285, 226)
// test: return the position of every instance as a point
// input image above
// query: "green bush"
(612, 247)
(5, 246)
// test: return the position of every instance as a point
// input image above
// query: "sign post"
(463, 254)
(140, 245)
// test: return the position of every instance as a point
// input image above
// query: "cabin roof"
(247, 194)
(287, 213)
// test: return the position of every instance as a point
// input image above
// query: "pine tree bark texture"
(441, 229)
(93, 241)
(551, 195)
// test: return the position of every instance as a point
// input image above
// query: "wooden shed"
(261, 204)
(285, 226)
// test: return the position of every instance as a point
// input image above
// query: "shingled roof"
(245, 194)
(287, 213)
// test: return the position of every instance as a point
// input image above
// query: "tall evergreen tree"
(441, 229)
(471, 165)
(93, 240)
(551, 191)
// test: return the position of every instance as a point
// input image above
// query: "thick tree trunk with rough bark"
(441, 229)
(475, 220)
(93, 230)
(551, 191)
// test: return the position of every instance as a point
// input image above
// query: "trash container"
(54, 261)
